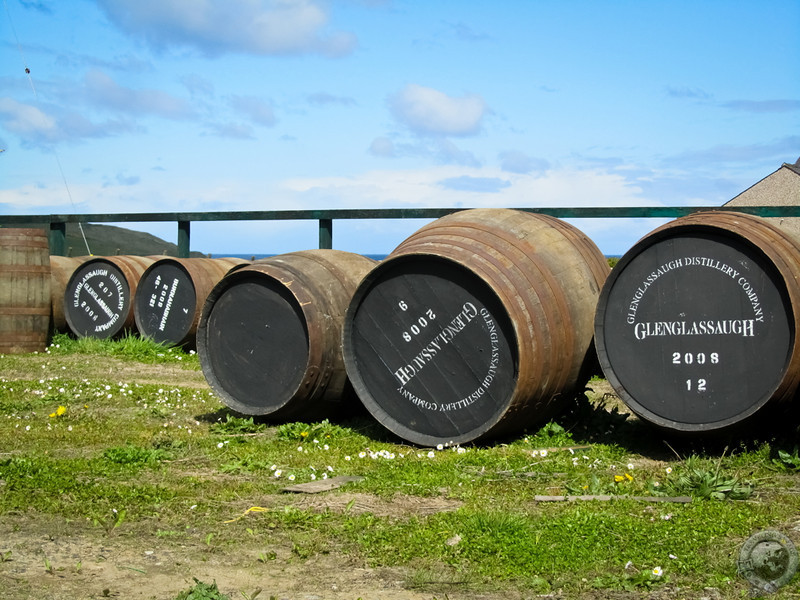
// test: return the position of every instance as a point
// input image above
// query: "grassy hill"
(109, 240)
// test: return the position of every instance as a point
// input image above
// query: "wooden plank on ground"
(321, 485)
(605, 498)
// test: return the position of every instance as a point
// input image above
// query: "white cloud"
(263, 27)
(234, 131)
(24, 119)
(515, 161)
(732, 153)
(383, 147)
(468, 183)
(39, 127)
(428, 111)
(104, 91)
(422, 187)
(326, 99)
(257, 110)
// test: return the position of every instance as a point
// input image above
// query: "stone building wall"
(781, 188)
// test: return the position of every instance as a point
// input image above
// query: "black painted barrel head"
(97, 301)
(253, 343)
(430, 350)
(166, 302)
(694, 329)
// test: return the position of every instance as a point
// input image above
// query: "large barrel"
(478, 324)
(269, 339)
(99, 298)
(696, 327)
(171, 294)
(24, 290)
(61, 269)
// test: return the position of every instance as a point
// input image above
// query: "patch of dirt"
(84, 564)
(399, 506)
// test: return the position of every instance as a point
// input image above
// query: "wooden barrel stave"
(24, 290)
(62, 268)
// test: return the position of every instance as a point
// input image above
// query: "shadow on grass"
(603, 419)
(609, 422)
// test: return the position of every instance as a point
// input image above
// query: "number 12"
(701, 385)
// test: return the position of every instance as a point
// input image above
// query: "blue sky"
(224, 105)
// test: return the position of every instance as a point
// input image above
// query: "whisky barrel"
(171, 294)
(269, 338)
(98, 301)
(477, 325)
(24, 290)
(61, 269)
(696, 327)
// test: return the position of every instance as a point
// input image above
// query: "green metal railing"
(58, 223)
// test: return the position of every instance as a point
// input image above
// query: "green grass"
(167, 462)
(128, 347)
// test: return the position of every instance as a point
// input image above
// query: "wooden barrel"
(477, 325)
(24, 290)
(269, 338)
(171, 294)
(99, 298)
(696, 327)
(61, 269)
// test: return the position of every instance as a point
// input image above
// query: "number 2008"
(690, 358)
(421, 323)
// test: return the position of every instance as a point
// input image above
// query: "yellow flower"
(59, 411)
(618, 478)
(628, 477)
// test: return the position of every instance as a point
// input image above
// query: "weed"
(167, 533)
(5, 556)
(202, 591)
(596, 486)
(309, 432)
(245, 464)
(699, 482)
(134, 455)
(787, 461)
(641, 581)
(264, 557)
(552, 434)
(112, 521)
(233, 425)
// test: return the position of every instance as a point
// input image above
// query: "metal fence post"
(326, 233)
(184, 235)
(58, 238)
